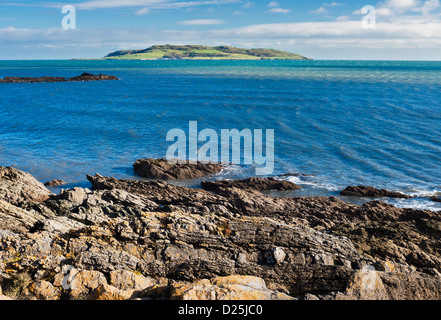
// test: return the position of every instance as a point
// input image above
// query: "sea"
(336, 123)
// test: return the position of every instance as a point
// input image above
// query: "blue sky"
(404, 30)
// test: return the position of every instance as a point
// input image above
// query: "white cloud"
(430, 5)
(152, 4)
(279, 10)
(248, 5)
(386, 12)
(275, 8)
(333, 4)
(393, 9)
(416, 29)
(142, 11)
(401, 4)
(316, 37)
(321, 10)
(201, 22)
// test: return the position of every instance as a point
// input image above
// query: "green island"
(199, 52)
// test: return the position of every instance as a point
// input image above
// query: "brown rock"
(362, 191)
(108, 292)
(227, 288)
(41, 290)
(55, 183)
(259, 184)
(82, 283)
(128, 280)
(366, 285)
(161, 169)
(17, 186)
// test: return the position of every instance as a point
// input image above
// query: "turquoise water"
(343, 122)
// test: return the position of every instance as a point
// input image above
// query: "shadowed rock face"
(161, 169)
(259, 184)
(83, 77)
(362, 191)
(128, 239)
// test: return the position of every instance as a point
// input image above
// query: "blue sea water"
(343, 122)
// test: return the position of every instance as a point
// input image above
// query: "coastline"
(150, 239)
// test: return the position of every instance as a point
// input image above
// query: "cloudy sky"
(404, 29)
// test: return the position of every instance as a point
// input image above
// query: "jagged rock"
(259, 184)
(369, 284)
(128, 280)
(55, 183)
(108, 292)
(92, 77)
(360, 223)
(124, 285)
(363, 191)
(161, 169)
(31, 80)
(80, 283)
(129, 239)
(76, 196)
(310, 297)
(83, 77)
(2, 297)
(17, 187)
(275, 255)
(15, 219)
(41, 290)
(435, 198)
(366, 285)
(34, 219)
(226, 288)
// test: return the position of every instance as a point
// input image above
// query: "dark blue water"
(344, 122)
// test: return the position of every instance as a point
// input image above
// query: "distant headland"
(199, 52)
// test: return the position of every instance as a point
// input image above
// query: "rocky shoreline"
(82, 77)
(150, 239)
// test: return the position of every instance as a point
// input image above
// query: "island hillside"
(198, 52)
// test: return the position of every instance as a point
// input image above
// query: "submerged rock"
(362, 191)
(161, 169)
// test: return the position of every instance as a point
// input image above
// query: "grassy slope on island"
(196, 52)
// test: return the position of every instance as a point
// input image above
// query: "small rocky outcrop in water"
(259, 184)
(435, 199)
(92, 77)
(133, 239)
(55, 183)
(161, 169)
(83, 77)
(362, 191)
